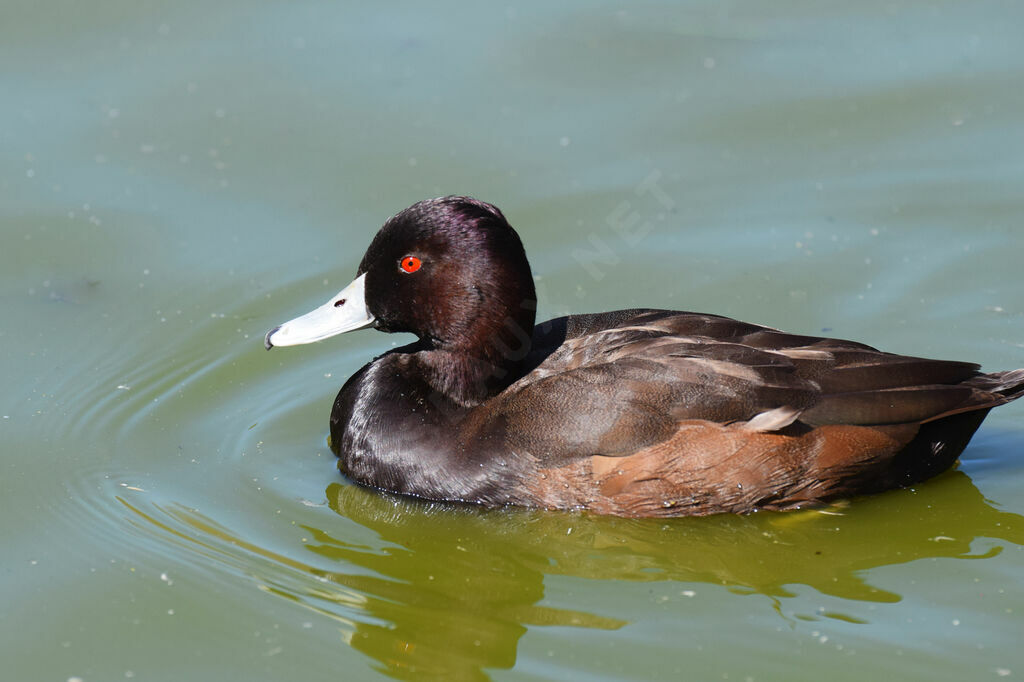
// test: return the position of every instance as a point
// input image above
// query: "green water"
(177, 177)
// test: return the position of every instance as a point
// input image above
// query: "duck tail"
(1008, 385)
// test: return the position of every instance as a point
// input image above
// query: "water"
(175, 178)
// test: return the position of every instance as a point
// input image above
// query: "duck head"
(450, 270)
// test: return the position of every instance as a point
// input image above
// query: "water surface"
(176, 178)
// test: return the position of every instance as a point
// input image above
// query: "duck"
(636, 413)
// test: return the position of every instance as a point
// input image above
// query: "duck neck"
(489, 355)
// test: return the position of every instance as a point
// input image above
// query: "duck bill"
(344, 312)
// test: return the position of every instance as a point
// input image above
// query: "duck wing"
(617, 383)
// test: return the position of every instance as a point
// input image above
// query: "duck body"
(634, 412)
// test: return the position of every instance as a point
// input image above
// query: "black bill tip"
(266, 339)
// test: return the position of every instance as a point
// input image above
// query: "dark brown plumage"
(636, 412)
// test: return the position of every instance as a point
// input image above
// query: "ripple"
(204, 419)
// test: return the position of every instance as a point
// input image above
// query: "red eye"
(410, 264)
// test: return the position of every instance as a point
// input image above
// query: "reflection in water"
(456, 590)
(449, 590)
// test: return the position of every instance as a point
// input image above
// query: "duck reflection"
(451, 590)
(441, 591)
(451, 595)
